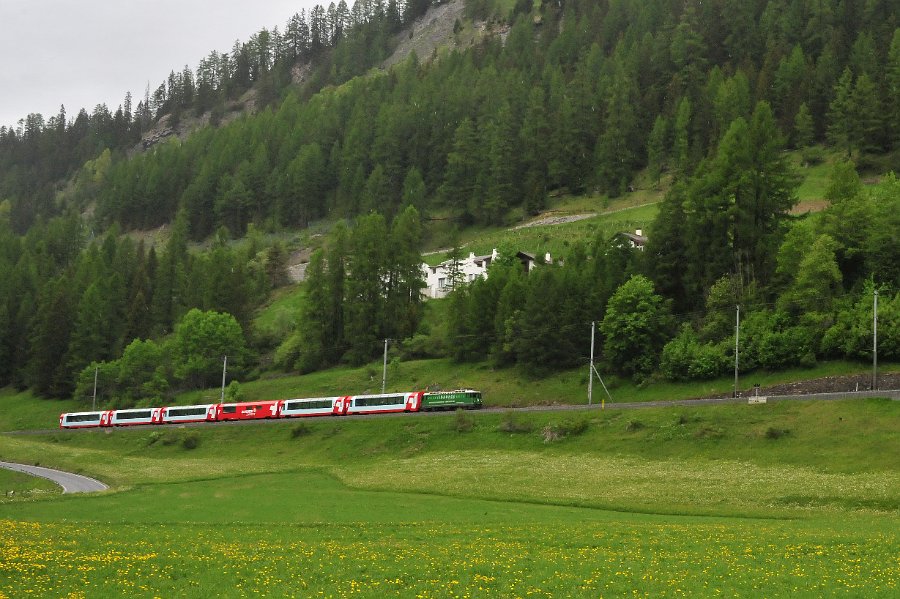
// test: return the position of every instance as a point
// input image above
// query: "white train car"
(314, 406)
(384, 403)
(84, 419)
(178, 414)
(136, 417)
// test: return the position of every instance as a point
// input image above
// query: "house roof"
(635, 238)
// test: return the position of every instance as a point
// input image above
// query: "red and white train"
(283, 408)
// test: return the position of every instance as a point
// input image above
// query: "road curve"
(70, 483)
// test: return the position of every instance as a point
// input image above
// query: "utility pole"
(875, 344)
(384, 368)
(591, 371)
(737, 333)
(224, 367)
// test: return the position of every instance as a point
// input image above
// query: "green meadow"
(776, 500)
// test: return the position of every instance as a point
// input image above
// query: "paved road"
(70, 483)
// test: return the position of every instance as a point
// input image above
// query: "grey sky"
(81, 53)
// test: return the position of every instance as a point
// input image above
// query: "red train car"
(250, 410)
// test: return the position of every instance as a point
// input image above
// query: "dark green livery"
(450, 400)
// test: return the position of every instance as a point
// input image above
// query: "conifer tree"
(462, 167)
(804, 128)
(892, 91)
(502, 176)
(866, 116)
(681, 155)
(364, 292)
(656, 148)
(533, 136)
(840, 114)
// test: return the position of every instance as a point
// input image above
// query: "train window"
(133, 415)
(229, 409)
(83, 417)
(308, 405)
(366, 402)
(187, 411)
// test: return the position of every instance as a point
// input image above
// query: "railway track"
(638, 405)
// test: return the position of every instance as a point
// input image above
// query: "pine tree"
(840, 114)
(47, 371)
(403, 309)
(314, 317)
(413, 193)
(336, 258)
(462, 167)
(615, 153)
(364, 295)
(804, 128)
(532, 136)
(503, 171)
(892, 91)
(656, 148)
(681, 155)
(866, 116)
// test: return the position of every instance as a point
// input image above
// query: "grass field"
(787, 499)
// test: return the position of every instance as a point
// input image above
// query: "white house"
(636, 240)
(437, 278)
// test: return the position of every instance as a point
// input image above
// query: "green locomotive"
(467, 399)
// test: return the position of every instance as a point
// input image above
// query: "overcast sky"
(81, 53)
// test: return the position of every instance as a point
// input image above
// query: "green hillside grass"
(671, 501)
(825, 439)
(509, 387)
(16, 485)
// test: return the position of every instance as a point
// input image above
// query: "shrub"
(300, 430)
(706, 432)
(776, 433)
(233, 392)
(556, 431)
(190, 441)
(509, 424)
(813, 155)
(684, 357)
(463, 423)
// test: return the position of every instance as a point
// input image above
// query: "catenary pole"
(94, 403)
(875, 343)
(224, 368)
(384, 368)
(737, 333)
(591, 371)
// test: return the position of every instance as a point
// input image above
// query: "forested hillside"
(555, 97)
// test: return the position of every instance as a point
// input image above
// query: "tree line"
(580, 101)
(69, 299)
(337, 42)
(495, 128)
(815, 301)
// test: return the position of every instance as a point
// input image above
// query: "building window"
(441, 283)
